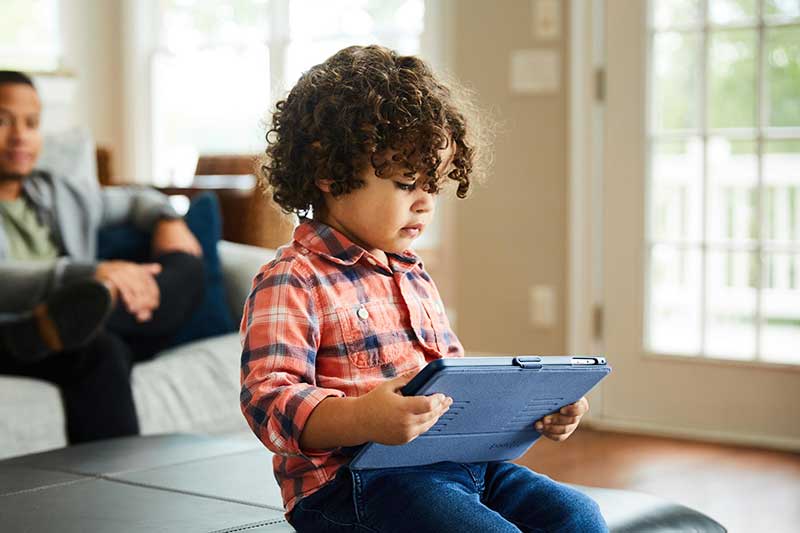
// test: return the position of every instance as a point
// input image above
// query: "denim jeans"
(447, 497)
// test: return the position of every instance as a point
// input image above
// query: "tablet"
(496, 401)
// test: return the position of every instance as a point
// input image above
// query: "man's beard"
(5, 178)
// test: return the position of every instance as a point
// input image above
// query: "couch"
(189, 388)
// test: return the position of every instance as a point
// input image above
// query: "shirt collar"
(335, 247)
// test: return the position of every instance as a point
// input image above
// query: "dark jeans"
(447, 497)
(95, 379)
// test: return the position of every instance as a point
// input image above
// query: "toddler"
(345, 314)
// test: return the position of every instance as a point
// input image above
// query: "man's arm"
(149, 210)
(141, 206)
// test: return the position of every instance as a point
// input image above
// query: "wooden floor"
(745, 489)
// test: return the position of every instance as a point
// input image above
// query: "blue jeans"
(447, 497)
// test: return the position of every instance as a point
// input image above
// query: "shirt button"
(362, 313)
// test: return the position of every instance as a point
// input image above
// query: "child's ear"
(324, 184)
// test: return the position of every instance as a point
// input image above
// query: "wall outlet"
(542, 306)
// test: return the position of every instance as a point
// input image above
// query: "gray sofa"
(190, 388)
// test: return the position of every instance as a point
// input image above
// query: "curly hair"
(361, 105)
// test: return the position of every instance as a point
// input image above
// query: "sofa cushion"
(192, 387)
(31, 416)
(240, 263)
(242, 477)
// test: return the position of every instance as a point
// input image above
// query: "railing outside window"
(723, 236)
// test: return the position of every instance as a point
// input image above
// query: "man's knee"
(190, 266)
(184, 272)
(106, 356)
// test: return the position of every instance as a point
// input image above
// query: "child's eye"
(406, 186)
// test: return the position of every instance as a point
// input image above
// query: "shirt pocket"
(436, 325)
(372, 333)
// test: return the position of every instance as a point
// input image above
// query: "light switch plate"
(542, 302)
(535, 70)
(546, 19)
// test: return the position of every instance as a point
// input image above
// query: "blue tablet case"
(496, 401)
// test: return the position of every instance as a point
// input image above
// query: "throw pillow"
(212, 316)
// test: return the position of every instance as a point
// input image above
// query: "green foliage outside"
(732, 74)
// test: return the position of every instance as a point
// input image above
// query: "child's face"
(386, 214)
(20, 138)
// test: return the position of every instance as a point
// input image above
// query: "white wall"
(92, 54)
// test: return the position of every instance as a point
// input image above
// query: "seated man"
(80, 339)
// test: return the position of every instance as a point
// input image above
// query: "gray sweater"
(74, 213)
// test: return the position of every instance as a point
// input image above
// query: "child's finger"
(419, 405)
(559, 429)
(430, 418)
(578, 408)
(563, 420)
(428, 424)
(400, 381)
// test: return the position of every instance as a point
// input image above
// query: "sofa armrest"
(240, 262)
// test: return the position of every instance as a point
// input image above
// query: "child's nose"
(425, 202)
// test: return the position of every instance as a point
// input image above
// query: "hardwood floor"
(747, 490)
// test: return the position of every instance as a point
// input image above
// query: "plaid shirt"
(325, 318)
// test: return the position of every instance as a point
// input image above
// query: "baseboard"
(721, 437)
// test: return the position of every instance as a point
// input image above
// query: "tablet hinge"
(529, 362)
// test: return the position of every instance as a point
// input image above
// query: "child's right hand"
(388, 417)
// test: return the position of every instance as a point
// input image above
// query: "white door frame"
(584, 301)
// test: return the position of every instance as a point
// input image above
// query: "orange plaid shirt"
(325, 318)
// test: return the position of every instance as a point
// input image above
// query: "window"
(723, 236)
(30, 38)
(219, 63)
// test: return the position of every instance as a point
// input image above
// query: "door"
(702, 334)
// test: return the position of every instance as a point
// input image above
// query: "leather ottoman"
(210, 484)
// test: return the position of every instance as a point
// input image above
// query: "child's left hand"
(559, 426)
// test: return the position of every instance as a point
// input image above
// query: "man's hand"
(559, 426)
(174, 236)
(388, 417)
(134, 283)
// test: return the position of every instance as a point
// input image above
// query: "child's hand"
(559, 426)
(388, 417)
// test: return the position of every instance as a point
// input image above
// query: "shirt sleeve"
(280, 337)
(141, 206)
